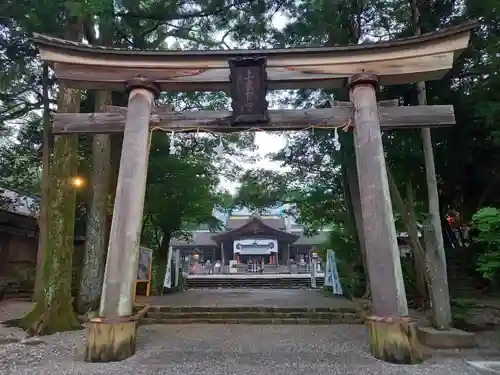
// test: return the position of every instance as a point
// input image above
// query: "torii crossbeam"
(163, 118)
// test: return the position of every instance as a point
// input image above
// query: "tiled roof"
(204, 238)
(19, 203)
(274, 222)
(198, 238)
(317, 239)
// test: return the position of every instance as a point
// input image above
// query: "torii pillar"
(392, 333)
(112, 336)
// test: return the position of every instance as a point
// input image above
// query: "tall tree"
(94, 259)
(436, 256)
(44, 202)
(53, 311)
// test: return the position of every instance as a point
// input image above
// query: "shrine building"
(272, 238)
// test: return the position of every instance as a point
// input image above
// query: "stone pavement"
(249, 297)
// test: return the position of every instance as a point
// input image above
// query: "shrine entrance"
(255, 246)
(247, 75)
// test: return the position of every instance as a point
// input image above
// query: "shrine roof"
(276, 222)
(412, 59)
(255, 225)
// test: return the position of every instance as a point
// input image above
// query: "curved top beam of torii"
(423, 58)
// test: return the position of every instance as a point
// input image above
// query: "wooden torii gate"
(247, 74)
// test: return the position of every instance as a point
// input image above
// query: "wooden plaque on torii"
(248, 83)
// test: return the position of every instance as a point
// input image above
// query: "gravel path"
(221, 349)
(224, 350)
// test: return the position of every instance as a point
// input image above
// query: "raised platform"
(250, 306)
(248, 298)
(452, 338)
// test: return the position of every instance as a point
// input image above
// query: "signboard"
(254, 246)
(248, 78)
(144, 267)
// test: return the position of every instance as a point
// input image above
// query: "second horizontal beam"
(409, 117)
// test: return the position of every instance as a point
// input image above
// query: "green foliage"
(487, 223)
(349, 265)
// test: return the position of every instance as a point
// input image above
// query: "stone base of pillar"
(395, 340)
(111, 339)
(447, 339)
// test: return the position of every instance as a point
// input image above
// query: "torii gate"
(247, 74)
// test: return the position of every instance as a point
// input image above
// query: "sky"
(266, 142)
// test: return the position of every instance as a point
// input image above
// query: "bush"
(487, 223)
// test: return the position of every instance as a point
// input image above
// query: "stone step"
(261, 321)
(249, 309)
(288, 283)
(251, 315)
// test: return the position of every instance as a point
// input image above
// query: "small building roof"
(314, 240)
(198, 238)
(19, 203)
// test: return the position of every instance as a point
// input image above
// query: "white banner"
(178, 266)
(328, 270)
(167, 283)
(313, 274)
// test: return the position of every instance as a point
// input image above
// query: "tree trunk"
(352, 197)
(439, 287)
(419, 256)
(410, 224)
(96, 234)
(53, 311)
(43, 215)
(116, 142)
(437, 261)
(352, 178)
(160, 262)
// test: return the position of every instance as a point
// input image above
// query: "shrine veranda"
(247, 75)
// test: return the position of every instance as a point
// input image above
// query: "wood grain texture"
(123, 248)
(219, 121)
(382, 252)
(395, 340)
(110, 341)
(427, 57)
